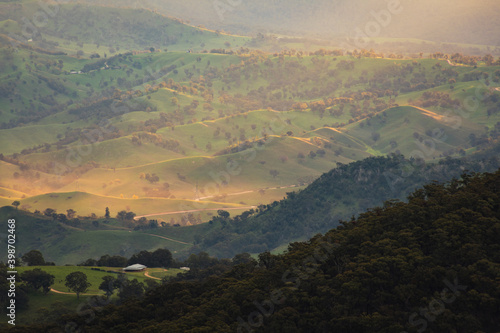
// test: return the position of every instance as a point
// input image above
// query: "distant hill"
(116, 131)
(104, 30)
(460, 21)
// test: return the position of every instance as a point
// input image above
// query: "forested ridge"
(431, 264)
(339, 194)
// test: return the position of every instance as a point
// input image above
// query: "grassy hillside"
(104, 30)
(229, 130)
(75, 241)
(62, 298)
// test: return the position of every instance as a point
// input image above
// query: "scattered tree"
(70, 213)
(77, 282)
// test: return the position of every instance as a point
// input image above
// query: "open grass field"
(64, 298)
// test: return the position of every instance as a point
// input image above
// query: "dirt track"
(65, 293)
(146, 274)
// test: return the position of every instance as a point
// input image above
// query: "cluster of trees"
(437, 98)
(123, 215)
(170, 144)
(468, 60)
(35, 258)
(157, 258)
(427, 265)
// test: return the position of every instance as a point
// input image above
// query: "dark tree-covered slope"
(337, 195)
(432, 264)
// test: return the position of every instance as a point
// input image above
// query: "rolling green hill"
(93, 29)
(229, 130)
(75, 241)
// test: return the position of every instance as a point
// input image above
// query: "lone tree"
(108, 285)
(37, 279)
(77, 282)
(70, 213)
(274, 173)
(33, 258)
(49, 212)
(16, 204)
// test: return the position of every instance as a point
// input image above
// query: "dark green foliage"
(111, 261)
(108, 285)
(77, 282)
(33, 258)
(21, 296)
(430, 264)
(158, 258)
(124, 215)
(131, 290)
(37, 279)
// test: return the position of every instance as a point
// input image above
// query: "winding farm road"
(249, 191)
(212, 209)
(65, 293)
(192, 211)
(170, 239)
(146, 274)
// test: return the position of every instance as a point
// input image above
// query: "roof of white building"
(135, 267)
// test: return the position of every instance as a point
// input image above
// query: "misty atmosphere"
(250, 166)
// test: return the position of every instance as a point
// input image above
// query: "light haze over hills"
(458, 21)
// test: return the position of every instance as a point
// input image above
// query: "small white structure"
(185, 268)
(134, 268)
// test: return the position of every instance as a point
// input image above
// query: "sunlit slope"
(72, 27)
(407, 130)
(85, 204)
(413, 131)
(219, 125)
(396, 129)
